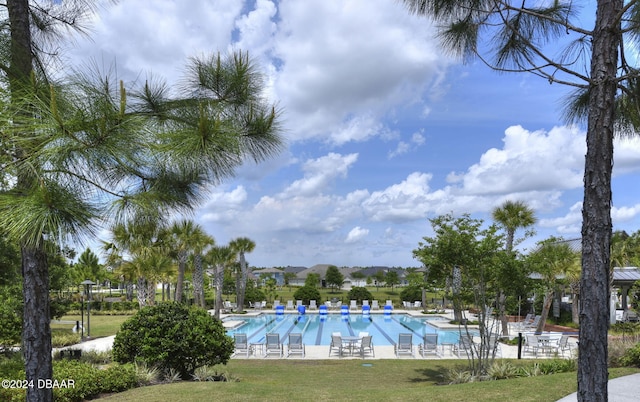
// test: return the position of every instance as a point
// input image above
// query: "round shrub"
(173, 337)
(359, 293)
(307, 293)
(411, 294)
(253, 294)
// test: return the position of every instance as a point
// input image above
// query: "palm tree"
(511, 215)
(148, 261)
(182, 234)
(553, 258)
(200, 241)
(220, 257)
(242, 245)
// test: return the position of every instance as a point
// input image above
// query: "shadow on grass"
(433, 376)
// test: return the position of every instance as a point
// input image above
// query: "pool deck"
(321, 352)
(384, 352)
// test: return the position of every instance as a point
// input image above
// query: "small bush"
(618, 348)
(631, 357)
(359, 293)
(307, 293)
(556, 366)
(209, 373)
(173, 336)
(502, 370)
(118, 378)
(146, 375)
(64, 338)
(531, 371)
(253, 294)
(411, 294)
(458, 376)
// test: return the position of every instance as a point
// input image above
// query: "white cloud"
(356, 234)
(626, 155)
(328, 83)
(529, 161)
(623, 214)
(158, 36)
(224, 206)
(320, 173)
(417, 139)
(405, 201)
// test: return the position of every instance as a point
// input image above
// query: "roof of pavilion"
(625, 276)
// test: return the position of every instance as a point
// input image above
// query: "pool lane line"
(320, 331)
(264, 328)
(382, 331)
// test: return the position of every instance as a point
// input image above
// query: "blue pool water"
(316, 329)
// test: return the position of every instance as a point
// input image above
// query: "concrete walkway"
(621, 389)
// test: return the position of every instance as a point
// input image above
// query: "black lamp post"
(87, 288)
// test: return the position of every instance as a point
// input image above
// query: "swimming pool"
(316, 329)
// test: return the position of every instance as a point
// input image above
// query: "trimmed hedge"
(75, 381)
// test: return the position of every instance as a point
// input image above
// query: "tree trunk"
(141, 292)
(129, 290)
(596, 207)
(198, 281)
(182, 263)
(151, 292)
(546, 306)
(575, 308)
(501, 302)
(36, 329)
(219, 280)
(242, 288)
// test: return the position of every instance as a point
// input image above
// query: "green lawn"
(101, 325)
(349, 380)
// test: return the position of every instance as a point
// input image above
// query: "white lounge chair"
(295, 345)
(227, 307)
(429, 345)
(531, 344)
(273, 345)
(365, 346)
(533, 325)
(336, 343)
(404, 345)
(289, 305)
(564, 345)
(241, 345)
(375, 305)
(526, 321)
(353, 305)
(464, 345)
(313, 305)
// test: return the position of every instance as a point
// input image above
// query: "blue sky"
(383, 129)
